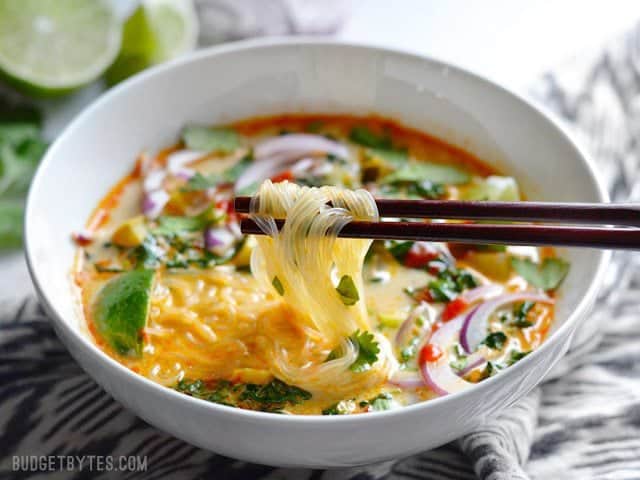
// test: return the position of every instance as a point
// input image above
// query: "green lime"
(52, 47)
(120, 310)
(158, 30)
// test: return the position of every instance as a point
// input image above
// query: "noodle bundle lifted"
(320, 277)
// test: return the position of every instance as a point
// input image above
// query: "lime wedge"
(52, 47)
(120, 310)
(158, 30)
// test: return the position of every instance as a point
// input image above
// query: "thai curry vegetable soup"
(299, 321)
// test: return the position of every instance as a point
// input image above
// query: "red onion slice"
(304, 143)
(473, 361)
(154, 179)
(423, 309)
(177, 161)
(153, 203)
(438, 375)
(475, 325)
(404, 379)
(481, 292)
(265, 168)
(218, 240)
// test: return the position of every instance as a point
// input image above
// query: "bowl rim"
(85, 344)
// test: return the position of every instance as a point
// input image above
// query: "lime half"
(49, 47)
(158, 30)
(121, 308)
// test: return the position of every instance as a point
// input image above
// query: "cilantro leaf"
(21, 148)
(392, 157)
(347, 290)
(516, 356)
(398, 249)
(384, 401)
(175, 225)
(368, 350)
(365, 137)
(434, 172)
(277, 284)
(201, 182)
(275, 392)
(520, 312)
(11, 213)
(210, 139)
(495, 340)
(548, 275)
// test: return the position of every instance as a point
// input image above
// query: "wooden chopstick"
(530, 235)
(621, 237)
(569, 213)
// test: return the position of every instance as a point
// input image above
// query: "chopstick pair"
(618, 223)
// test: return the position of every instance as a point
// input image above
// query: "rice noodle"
(308, 258)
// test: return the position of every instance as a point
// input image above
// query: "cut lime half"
(49, 47)
(158, 30)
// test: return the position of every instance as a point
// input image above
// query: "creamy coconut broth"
(165, 276)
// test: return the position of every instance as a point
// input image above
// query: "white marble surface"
(510, 41)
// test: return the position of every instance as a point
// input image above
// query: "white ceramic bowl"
(262, 78)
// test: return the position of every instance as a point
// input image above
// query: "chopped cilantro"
(490, 370)
(363, 136)
(495, 340)
(368, 350)
(347, 290)
(449, 283)
(270, 397)
(398, 249)
(210, 139)
(381, 402)
(175, 225)
(277, 284)
(21, 148)
(275, 392)
(433, 172)
(426, 189)
(201, 182)
(520, 312)
(516, 356)
(148, 255)
(410, 350)
(548, 275)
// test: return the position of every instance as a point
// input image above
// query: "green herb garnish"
(516, 356)
(368, 350)
(433, 172)
(365, 137)
(270, 397)
(381, 402)
(495, 340)
(210, 139)
(201, 182)
(347, 290)
(449, 283)
(520, 313)
(277, 284)
(548, 275)
(21, 148)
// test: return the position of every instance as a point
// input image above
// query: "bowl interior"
(148, 112)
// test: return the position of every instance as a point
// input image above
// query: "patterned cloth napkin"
(583, 423)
